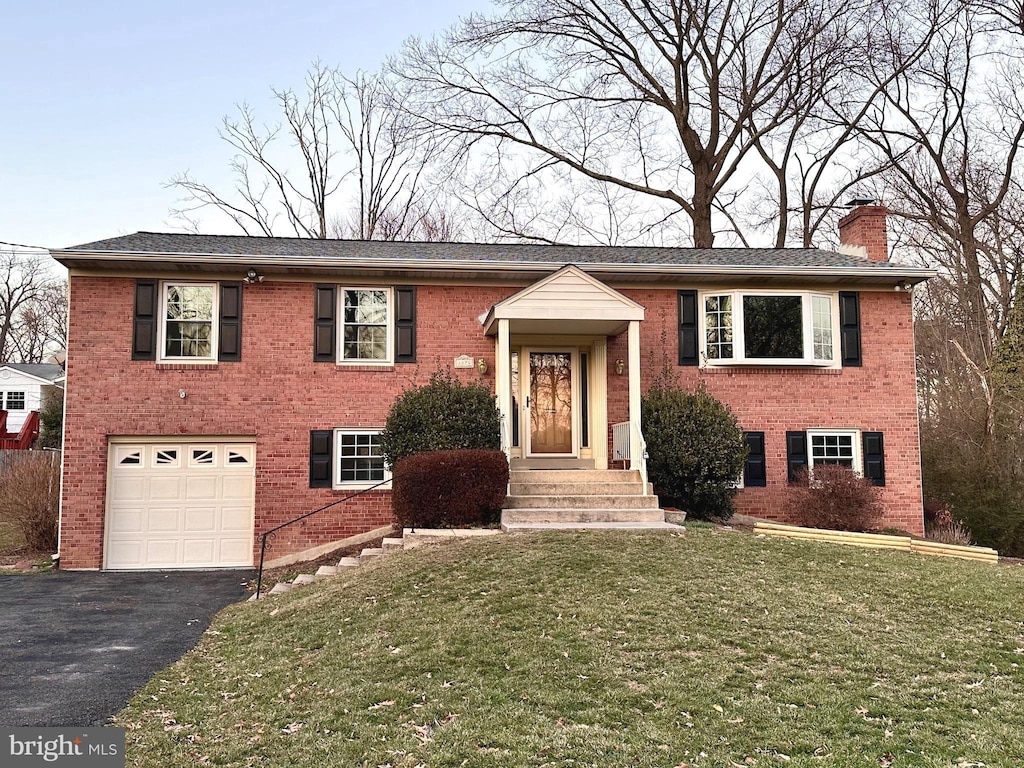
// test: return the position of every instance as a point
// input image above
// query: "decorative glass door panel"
(550, 403)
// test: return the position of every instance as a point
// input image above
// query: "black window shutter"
(230, 331)
(874, 458)
(405, 324)
(754, 475)
(688, 328)
(320, 441)
(325, 307)
(796, 454)
(144, 325)
(849, 327)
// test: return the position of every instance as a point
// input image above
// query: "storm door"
(551, 425)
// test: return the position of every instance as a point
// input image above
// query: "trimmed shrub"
(29, 497)
(836, 498)
(695, 450)
(449, 489)
(442, 415)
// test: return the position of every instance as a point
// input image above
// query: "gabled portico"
(551, 366)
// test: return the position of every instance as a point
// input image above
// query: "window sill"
(347, 366)
(356, 487)
(812, 369)
(186, 365)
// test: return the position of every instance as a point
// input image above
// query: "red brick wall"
(879, 396)
(278, 394)
(865, 226)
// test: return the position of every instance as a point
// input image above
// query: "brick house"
(218, 386)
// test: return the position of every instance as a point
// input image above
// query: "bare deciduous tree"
(668, 102)
(950, 129)
(342, 163)
(32, 320)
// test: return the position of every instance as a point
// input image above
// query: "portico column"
(503, 382)
(634, 393)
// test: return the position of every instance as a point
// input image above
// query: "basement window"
(834, 447)
(360, 461)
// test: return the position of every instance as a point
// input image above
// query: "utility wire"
(21, 248)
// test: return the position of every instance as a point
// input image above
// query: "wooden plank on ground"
(878, 541)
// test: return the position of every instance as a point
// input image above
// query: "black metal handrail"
(271, 532)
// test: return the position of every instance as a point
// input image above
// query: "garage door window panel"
(202, 457)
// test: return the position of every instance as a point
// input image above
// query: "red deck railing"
(23, 440)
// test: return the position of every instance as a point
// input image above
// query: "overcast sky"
(102, 102)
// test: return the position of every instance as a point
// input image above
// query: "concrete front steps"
(542, 498)
(390, 545)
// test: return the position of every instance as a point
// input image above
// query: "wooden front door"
(551, 403)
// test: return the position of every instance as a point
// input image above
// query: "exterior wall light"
(481, 365)
(620, 367)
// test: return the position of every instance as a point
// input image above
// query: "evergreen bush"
(51, 419)
(443, 414)
(695, 450)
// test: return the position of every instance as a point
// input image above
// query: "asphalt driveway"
(74, 646)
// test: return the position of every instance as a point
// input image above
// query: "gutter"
(911, 275)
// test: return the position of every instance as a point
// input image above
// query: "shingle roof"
(46, 371)
(289, 249)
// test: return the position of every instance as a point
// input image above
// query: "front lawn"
(709, 648)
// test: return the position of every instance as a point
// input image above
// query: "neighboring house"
(23, 386)
(219, 386)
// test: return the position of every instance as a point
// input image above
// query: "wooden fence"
(9, 458)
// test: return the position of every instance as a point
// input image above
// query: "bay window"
(784, 327)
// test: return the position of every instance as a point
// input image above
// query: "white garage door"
(180, 505)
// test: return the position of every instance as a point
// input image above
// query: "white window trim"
(807, 308)
(214, 323)
(5, 397)
(858, 458)
(358, 485)
(389, 325)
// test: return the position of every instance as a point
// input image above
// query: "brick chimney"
(864, 227)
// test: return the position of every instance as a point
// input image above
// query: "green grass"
(711, 648)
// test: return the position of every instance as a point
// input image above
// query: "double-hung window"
(188, 330)
(15, 401)
(834, 447)
(359, 459)
(784, 327)
(365, 325)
